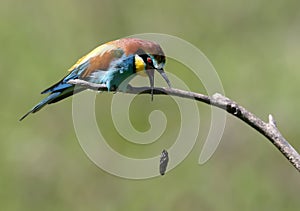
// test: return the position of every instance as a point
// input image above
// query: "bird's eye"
(149, 60)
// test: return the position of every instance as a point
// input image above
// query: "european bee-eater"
(109, 64)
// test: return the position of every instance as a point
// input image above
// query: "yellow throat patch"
(140, 65)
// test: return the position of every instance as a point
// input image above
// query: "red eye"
(149, 60)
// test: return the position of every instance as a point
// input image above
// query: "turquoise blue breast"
(118, 73)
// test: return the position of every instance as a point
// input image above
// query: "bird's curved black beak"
(150, 73)
(164, 75)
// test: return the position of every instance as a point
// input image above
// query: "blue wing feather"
(63, 84)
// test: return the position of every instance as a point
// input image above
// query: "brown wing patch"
(100, 62)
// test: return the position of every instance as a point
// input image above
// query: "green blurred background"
(255, 48)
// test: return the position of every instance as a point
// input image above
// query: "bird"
(111, 64)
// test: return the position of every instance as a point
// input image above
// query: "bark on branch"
(268, 129)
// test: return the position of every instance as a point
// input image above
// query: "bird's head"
(146, 64)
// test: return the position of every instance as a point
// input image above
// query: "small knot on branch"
(225, 103)
(233, 109)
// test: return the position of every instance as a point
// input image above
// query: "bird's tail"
(56, 95)
(57, 92)
(42, 104)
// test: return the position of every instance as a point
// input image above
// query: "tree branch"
(267, 129)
